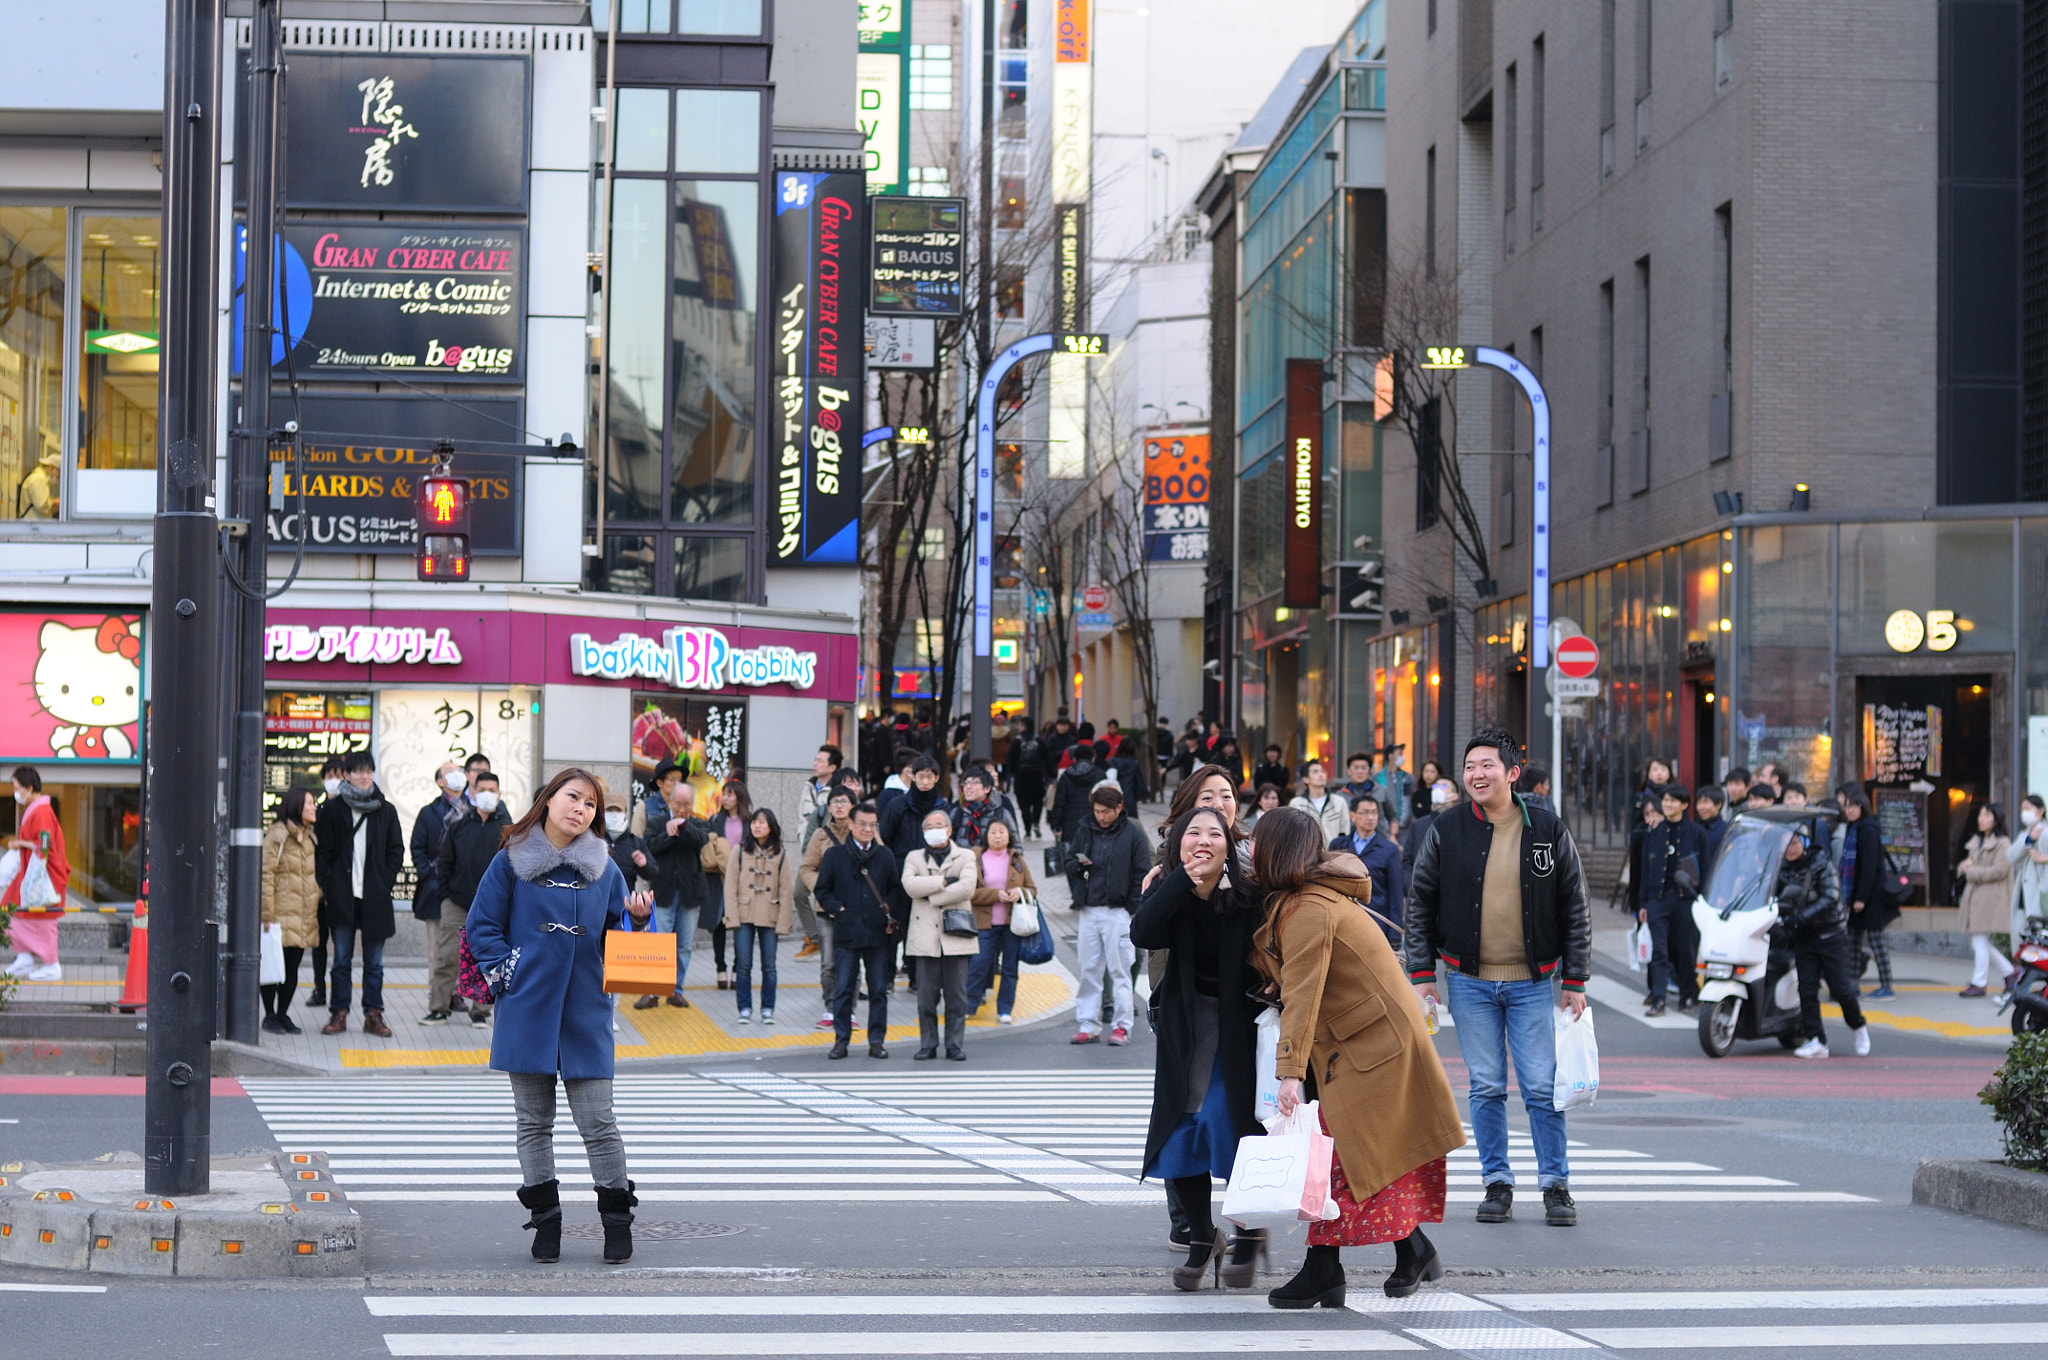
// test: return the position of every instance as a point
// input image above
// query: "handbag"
(271, 971)
(1036, 949)
(640, 962)
(1055, 860)
(470, 983)
(959, 921)
(715, 854)
(1024, 918)
(37, 892)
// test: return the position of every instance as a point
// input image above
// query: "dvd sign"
(434, 301)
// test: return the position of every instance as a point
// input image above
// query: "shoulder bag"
(888, 921)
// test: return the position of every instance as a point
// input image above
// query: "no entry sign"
(1094, 598)
(1578, 657)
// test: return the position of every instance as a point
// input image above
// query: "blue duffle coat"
(537, 928)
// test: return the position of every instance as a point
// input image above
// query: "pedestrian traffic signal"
(441, 511)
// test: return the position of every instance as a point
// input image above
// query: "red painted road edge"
(97, 1086)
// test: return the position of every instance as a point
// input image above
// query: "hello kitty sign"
(77, 691)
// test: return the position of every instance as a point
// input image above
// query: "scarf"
(362, 800)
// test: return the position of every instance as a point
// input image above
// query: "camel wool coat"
(760, 890)
(1349, 1018)
(1987, 901)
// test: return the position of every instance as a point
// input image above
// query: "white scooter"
(1749, 986)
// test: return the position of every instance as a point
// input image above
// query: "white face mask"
(2029, 816)
(333, 786)
(935, 837)
(615, 822)
(22, 796)
(454, 781)
(486, 802)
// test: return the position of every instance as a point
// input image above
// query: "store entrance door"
(1698, 762)
(1925, 750)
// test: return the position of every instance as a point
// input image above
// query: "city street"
(791, 1205)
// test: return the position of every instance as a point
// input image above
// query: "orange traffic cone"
(135, 993)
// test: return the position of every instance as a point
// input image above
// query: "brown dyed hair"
(537, 813)
(1288, 855)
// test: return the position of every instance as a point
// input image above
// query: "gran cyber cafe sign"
(691, 658)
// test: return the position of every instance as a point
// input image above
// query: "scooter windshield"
(1749, 856)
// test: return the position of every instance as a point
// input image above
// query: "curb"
(289, 1224)
(59, 1057)
(1987, 1189)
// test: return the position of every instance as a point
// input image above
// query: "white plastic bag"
(37, 892)
(1024, 918)
(1279, 1179)
(1578, 1060)
(1639, 947)
(271, 973)
(1265, 1074)
(10, 865)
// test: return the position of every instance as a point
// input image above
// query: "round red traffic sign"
(1578, 657)
(1095, 597)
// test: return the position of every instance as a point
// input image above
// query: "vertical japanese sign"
(1303, 585)
(882, 94)
(1073, 145)
(1176, 496)
(820, 257)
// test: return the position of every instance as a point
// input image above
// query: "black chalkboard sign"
(1900, 743)
(1902, 826)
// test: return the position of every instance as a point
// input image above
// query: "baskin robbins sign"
(691, 658)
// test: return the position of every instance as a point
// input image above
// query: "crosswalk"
(745, 1135)
(1162, 1322)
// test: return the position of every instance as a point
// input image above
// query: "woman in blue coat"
(537, 928)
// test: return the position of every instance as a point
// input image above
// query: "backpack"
(1031, 758)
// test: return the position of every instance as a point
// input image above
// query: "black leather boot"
(615, 1211)
(1321, 1281)
(1415, 1260)
(544, 1210)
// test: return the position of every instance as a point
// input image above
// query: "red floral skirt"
(1389, 1216)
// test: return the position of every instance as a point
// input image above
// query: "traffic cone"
(135, 993)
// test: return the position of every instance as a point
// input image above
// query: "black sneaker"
(272, 1025)
(434, 1017)
(1180, 1238)
(1499, 1204)
(1655, 1010)
(1558, 1209)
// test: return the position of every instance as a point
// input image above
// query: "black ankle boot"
(615, 1211)
(1321, 1281)
(544, 1205)
(1415, 1260)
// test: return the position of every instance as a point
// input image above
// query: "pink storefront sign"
(502, 647)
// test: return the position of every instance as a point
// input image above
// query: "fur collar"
(534, 854)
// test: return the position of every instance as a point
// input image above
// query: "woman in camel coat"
(939, 875)
(760, 905)
(1352, 1036)
(291, 900)
(1987, 898)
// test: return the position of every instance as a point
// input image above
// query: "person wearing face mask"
(629, 851)
(37, 835)
(360, 852)
(466, 852)
(429, 829)
(2028, 853)
(330, 785)
(940, 876)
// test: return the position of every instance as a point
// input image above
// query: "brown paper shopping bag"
(639, 962)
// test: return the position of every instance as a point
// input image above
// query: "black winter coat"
(1809, 897)
(1070, 798)
(429, 829)
(677, 868)
(1450, 876)
(334, 830)
(467, 850)
(1120, 859)
(846, 897)
(1877, 913)
(902, 825)
(1173, 918)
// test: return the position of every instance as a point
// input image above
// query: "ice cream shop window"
(708, 736)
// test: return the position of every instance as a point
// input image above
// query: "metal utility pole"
(184, 606)
(982, 666)
(247, 549)
(603, 257)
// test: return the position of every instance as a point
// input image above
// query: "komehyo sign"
(819, 260)
(1303, 588)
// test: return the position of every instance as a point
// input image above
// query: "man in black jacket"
(357, 857)
(676, 846)
(859, 893)
(429, 829)
(1497, 896)
(1673, 852)
(902, 823)
(1809, 894)
(1108, 856)
(1069, 811)
(466, 851)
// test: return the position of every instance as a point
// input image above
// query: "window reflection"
(712, 354)
(711, 568)
(718, 131)
(31, 361)
(719, 16)
(643, 130)
(629, 564)
(117, 376)
(639, 239)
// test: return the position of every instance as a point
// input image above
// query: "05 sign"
(1903, 631)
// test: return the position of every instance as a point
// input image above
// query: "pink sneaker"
(1119, 1036)
(1084, 1037)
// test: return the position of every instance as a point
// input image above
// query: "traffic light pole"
(184, 723)
(979, 743)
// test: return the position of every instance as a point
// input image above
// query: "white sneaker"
(615, 1027)
(746, 1017)
(22, 963)
(1863, 1042)
(1812, 1048)
(767, 1017)
(1005, 1020)
(48, 972)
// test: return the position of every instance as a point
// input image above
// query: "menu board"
(1900, 743)
(1902, 826)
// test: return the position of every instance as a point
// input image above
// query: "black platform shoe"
(1415, 1260)
(615, 1211)
(544, 1218)
(1321, 1281)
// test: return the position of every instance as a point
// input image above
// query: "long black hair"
(770, 846)
(291, 809)
(1231, 893)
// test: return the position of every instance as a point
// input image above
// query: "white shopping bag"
(1282, 1178)
(10, 865)
(1266, 1077)
(1024, 918)
(37, 892)
(271, 974)
(1578, 1060)
(1639, 947)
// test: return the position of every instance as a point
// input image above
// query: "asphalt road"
(1759, 1204)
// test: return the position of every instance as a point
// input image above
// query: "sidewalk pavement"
(1927, 987)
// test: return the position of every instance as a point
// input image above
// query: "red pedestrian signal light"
(441, 513)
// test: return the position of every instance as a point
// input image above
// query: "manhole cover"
(656, 1230)
(1655, 1121)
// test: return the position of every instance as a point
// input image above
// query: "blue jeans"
(373, 971)
(998, 954)
(743, 967)
(680, 922)
(1493, 1018)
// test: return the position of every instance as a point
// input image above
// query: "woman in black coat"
(1203, 1089)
